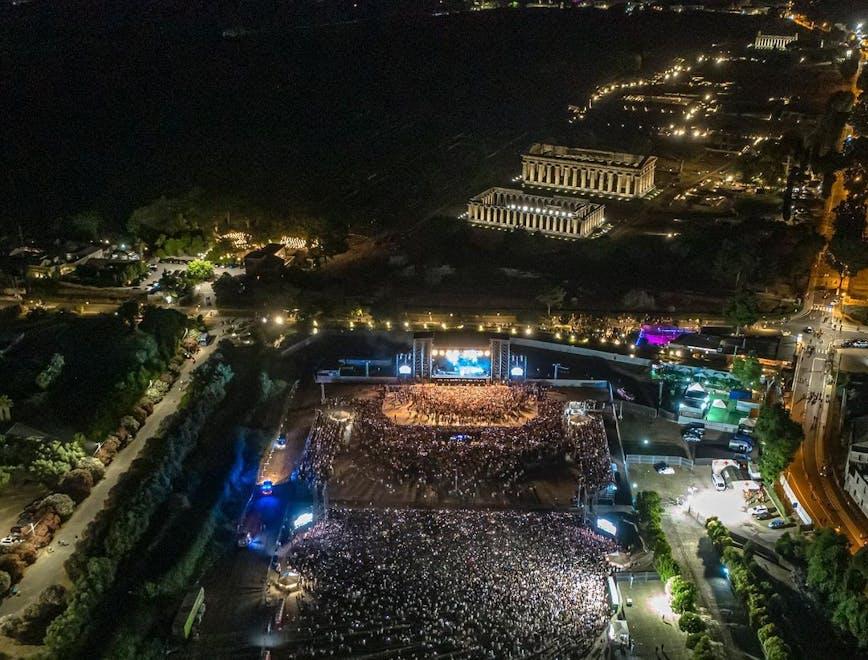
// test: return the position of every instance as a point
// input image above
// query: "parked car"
(718, 481)
(777, 523)
(692, 435)
(662, 468)
(741, 445)
(280, 443)
(758, 510)
(763, 516)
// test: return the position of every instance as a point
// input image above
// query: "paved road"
(49, 567)
(236, 616)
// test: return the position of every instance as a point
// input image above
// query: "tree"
(166, 326)
(552, 297)
(52, 370)
(13, 566)
(748, 371)
(77, 484)
(703, 649)
(828, 559)
(741, 309)
(848, 244)
(128, 312)
(683, 595)
(29, 627)
(690, 622)
(57, 503)
(779, 437)
(92, 465)
(85, 225)
(775, 648)
(200, 270)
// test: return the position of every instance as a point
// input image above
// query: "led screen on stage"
(460, 363)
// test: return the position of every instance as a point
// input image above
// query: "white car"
(10, 540)
(758, 510)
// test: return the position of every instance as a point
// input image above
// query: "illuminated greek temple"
(773, 41)
(562, 217)
(588, 171)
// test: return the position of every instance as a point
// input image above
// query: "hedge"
(753, 592)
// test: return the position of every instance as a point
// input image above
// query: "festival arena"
(457, 445)
(449, 526)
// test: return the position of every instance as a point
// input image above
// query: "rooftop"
(511, 198)
(593, 156)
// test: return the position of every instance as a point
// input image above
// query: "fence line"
(650, 459)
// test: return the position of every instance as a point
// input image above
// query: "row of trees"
(115, 534)
(840, 580)
(747, 583)
(682, 591)
(779, 438)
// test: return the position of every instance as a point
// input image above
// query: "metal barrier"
(651, 459)
(638, 576)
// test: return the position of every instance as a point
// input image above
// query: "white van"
(718, 481)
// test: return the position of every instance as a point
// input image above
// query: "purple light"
(660, 335)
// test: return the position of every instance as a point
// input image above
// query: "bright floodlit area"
(701, 499)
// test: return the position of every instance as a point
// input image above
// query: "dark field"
(376, 123)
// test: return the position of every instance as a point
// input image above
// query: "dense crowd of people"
(450, 405)
(464, 462)
(417, 584)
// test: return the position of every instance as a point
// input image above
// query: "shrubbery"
(747, 584)
(650, 509)
(690, 622)
(29, 627)
(682, 592)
